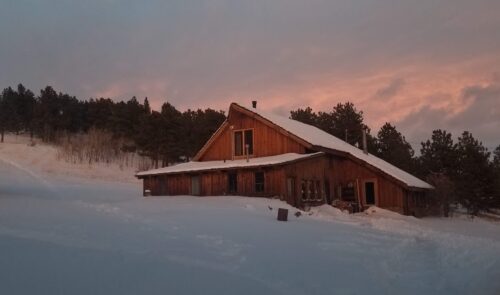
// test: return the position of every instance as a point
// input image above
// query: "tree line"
(164, 135)
(463, 172)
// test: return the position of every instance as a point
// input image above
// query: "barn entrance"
(232, 182)
(369, 192)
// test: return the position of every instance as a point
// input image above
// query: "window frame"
(243, 132)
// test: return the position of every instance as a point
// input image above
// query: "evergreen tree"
(149, 140)
(306, 116)
(126, 118)
(99, 114)
(10, 120)
(25, 108)
(438, 155)
(474, 177)
(344, 122)
(147, 108)
(347, 123)
(496, 172)
(198, 126)
(172, 135)
(46, 114)
(443, 192)
(3, 116)
(393, 147)
(438, 164)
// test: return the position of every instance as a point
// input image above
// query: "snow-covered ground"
(43, 159)
(84, 233)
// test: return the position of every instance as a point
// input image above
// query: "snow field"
(81, 233)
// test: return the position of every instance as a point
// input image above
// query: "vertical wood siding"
(267, 141)
(337, 171)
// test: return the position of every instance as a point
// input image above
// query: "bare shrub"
(99, 146)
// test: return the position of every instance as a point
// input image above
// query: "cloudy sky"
(420, 65)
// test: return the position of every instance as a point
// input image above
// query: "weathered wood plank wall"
(267, 141)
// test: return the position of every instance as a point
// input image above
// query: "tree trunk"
(3, 131)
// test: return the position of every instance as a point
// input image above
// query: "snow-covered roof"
(195, 166)
(318, 137)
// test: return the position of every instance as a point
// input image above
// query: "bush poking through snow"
(98, 146)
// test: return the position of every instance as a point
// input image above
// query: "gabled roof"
(318, 138)
(195, 166)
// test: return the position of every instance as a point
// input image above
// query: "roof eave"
(311, 156)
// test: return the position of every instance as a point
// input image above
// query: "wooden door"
(369, 193)
(232, 183)
(195, 185)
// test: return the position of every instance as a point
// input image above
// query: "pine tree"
(443, 191)
(149, 140)
(344, 121)
(474, 177)
(438, 155)
(3, 117)
(147, 108)
(25, 108)
(393, 147)
(306, 116)
(46, 114)
(496, 171)
(198, 126)
(172, 135)
(10, 120)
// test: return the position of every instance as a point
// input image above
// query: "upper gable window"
(243, 142)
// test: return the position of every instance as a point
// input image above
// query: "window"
(310, 190)
(259, 182)
(243, 142)
(249, 141)
(238, 143)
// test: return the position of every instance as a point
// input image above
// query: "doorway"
(232, 182)
(370, 196)
(195, 185)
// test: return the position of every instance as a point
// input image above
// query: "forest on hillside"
(463, 172)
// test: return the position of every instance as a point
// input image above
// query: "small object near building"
(282, 214)
(255, 153)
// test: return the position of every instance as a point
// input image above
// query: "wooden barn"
(255, 153)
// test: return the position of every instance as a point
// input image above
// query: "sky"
(420, 65)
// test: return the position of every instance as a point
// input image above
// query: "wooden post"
(232, 142)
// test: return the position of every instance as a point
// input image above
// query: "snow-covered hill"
(44, 159)
(77, 230)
